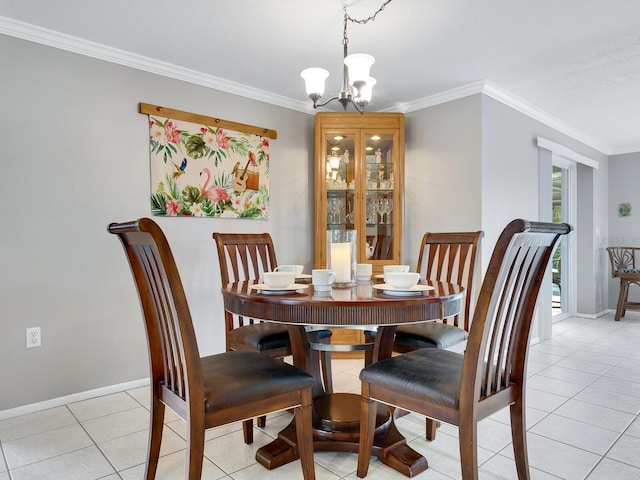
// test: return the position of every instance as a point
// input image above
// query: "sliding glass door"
(563, 210)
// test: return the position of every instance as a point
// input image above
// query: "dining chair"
(245, 256)
(209, 391)
(624, 267)
(444, 257)
(462, 389)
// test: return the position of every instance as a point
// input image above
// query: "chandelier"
(357, 85)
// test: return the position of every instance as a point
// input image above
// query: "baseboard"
(593, 316)
(76, 397)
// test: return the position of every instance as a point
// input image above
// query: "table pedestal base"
(337, 429)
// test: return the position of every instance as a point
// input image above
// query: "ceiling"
(575, 64)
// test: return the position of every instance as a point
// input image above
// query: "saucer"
(266, 289)
(415, 290)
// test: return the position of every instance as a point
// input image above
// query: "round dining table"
(365, 306)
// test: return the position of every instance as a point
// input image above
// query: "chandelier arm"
(317, 105)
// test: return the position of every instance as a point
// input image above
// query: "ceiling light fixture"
(357, 85)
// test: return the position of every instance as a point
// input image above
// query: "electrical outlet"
(33, 337)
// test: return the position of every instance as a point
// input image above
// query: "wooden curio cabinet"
(359, 183)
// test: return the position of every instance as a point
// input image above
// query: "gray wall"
(443, 170)
(75, 157)
(624, 172)
(510, 190)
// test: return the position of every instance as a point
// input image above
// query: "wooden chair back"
(452, 257)
(624, 267)
(623, 260)
(496, 355)
(173, 349)
(243, 256)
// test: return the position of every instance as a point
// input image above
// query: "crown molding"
(512, 101)
(70, 43)
(44, 36)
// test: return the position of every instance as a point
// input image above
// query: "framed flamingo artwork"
(205, 169)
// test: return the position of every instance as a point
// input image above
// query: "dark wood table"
(337, 415)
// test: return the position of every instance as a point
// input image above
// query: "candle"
(341, 261)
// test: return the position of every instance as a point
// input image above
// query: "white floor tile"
(609, 469)
(624, 373)
(595, 415)
(443, 454)
(616, 385)
(231, 454)
(610, 399)
(100, 406)
(84, 464)
(626, 450)
(634, 428)
(556, 458)
(172, 467)
(117, 425)
(338, 463)
(569, 375)
(543, 400)
(603, 358)
(573, 432)
(290, 471)
(582, 366)
(500, 467)
(45, 445)
(33, 423)
(131, 450)
(547, 383)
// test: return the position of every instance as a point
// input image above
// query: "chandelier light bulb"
(366, 91)
(314, 80)
(359, 65)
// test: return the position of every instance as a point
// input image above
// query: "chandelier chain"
(366, 20)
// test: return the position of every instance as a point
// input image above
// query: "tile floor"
(583, 404)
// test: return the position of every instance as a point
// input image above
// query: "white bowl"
(297, 269)
(395, 268)
(403, 280)
(279, 279)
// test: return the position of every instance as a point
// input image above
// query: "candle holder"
(341, 256)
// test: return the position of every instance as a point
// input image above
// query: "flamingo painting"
(207, 191)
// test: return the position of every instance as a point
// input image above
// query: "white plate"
(264, 288)
(303, 276)
(415, 290)
(380, 275)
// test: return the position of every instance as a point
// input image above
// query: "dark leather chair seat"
(413, 374)
(429, 335)
(263, 337)
(236, 378)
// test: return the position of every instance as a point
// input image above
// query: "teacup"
(363, 271)
(322, 279)
(395, 268)
(297, 269)
(401, 280)
(278, 279)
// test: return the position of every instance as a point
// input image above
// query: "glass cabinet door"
(380, 197)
